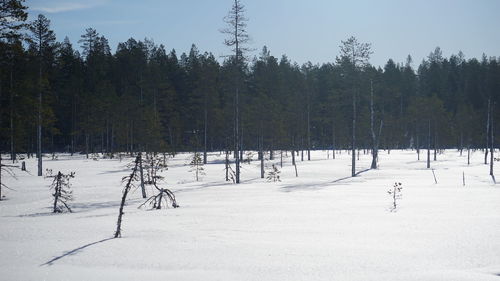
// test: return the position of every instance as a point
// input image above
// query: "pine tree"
(354, 56)
(12, 17)
(237, 38)
(42, 40)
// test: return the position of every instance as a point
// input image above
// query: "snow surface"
(322, 225)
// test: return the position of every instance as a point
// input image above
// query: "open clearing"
(314, 227)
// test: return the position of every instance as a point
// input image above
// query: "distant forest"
(144, 97)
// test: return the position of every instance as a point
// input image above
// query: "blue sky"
(303, 30)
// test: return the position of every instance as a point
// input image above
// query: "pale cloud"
(117, 22)
(64, 6)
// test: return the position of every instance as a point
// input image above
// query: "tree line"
(81, 97)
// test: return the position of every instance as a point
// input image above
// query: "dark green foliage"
(12, 16)
(144, 98)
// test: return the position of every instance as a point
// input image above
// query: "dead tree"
(237, 38)
(164, 195)
(129, 184)
(62, 193)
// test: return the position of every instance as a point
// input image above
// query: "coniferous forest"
(144, 97)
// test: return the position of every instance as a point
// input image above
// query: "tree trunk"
(143, 189)
(308, 129)
(491, 145)
(262, 157)
(205, 132)
(435, 145)
(39, 127)
(461, 143)
(487, 132)
(57, 191)
(1, 153)
(0, 161)
(124, 198)
(468, 154)
(374, 138)
(418, 146)
(333, 142)
(227, 165)
(353, 148)
(241, 143)
(87, 144)
(237, 138)
(429, 147)
(12, 150)
(112, 145)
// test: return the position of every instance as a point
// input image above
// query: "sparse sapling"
(396, 194)
(197, 166)
(274, 174)
(62, 191)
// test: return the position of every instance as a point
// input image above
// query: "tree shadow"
(74, 251)
(315, 186)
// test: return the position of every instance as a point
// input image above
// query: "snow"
(322, 225)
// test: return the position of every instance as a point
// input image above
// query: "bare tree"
(237, 37)
(129, 184)
(354, 56)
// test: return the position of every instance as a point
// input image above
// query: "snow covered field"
(319, 226)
